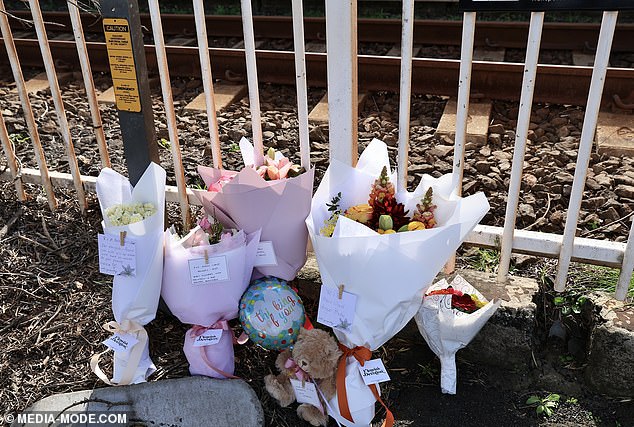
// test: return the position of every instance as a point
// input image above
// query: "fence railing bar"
(31, 125)
(341, 43)
(252, 81)
(625, 276)
(170, 113)
(591, 251)
(590, 118)
(300, 78)
(89, 84)
(405, 96)
(208, 81)
(56, 94)
(521, 135)
(11, 160)
(462, 113)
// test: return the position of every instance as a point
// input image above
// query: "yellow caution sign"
(121, 56)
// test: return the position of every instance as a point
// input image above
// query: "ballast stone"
(177, 402)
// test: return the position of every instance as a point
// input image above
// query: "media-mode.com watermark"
(68, 418)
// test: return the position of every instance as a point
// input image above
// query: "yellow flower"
(359, 213)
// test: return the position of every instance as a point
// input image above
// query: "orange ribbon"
(362, 354)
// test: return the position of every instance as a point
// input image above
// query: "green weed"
(544, 405)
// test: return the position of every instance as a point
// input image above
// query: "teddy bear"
(314, 357)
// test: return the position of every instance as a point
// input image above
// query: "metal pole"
(601, 59)
(521, 135)
(126, 52)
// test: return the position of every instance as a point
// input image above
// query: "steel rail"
(556, 35)
(496, 80)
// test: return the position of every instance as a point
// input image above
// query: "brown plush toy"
(314, 356)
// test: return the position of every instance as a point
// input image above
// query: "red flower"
(463, 303)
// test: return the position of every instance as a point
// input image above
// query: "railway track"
(490, 79)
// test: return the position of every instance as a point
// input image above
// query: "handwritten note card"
(334, 312)
(306, 393)
(209, 337)
(115, 259)
(265, 255)
(121, 343)
(373, 372)
(206, 273)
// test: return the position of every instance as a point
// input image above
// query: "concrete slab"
(489, 54)
(477, 124)
(317, 47)
(192, 401)
(611, 354)
(224, 95)
(396, 51)
(107, 96)
(240, 44)
(319, 114)
(615, 134)
(582, 59)
(181, 41)
(40, 82)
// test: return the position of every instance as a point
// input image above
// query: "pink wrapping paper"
(209, 303)
(213, 360)
(279, 208)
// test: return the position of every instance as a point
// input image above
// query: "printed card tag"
(121, 343)
(209, 337)
(334, 312)
(265, 255)
(115, 259)
(373, 372)
(212, 271)
(307, 393)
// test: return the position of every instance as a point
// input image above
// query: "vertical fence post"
(625, 276)
(521, 135)
(341, 45)
(462, 113)
(252, 80)
(601, 59)
(58, 102)
(11, 160)
(89, 84)
(208, 81)
(300, 78)
(170, 113)
(407, 44)
(26, 107)
(464, 89)
(126, 52)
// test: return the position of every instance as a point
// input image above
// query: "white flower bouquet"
(135, 216)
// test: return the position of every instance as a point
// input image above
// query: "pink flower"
(217, 186)
(204, 223)
(276, 168)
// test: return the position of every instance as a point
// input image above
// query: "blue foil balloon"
(271, 313)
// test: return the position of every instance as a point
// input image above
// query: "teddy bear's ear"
(302, 331)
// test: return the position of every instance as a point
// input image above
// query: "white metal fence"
(342, 88)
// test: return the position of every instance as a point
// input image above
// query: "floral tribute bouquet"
(204, 275)
(369, 245)
(274, 197)
(133, 224)
(449, 318)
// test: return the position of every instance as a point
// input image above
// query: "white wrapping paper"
(135, 298)
(388, 273)
(447, 330)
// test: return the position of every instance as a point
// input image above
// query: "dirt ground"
(53, 302)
